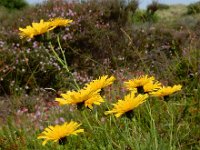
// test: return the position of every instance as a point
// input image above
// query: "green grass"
(174, 12)
(177, 14)
(156, 125)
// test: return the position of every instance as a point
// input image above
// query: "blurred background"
(142, 3)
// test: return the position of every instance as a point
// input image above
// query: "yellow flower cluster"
(42, 27)
(87, 96)
(142, 85)
(145, 84)
(90, 95)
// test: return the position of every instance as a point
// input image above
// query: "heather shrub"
(85, 42)
(24, 69)
(98, 40)
(161, 52)
(118, 11)
(154, 6)
(193, 8)
(150, 39)
(96, 28)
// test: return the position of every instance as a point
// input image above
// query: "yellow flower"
(65, 98)
(128, 104)
(96, 99)
(57, 22)
(87, 96)
(100, 83)
(166, 91)
(59, 133)
(138, 83)
(152, 86)
(27, 32)
(81, 97)
(35, 29)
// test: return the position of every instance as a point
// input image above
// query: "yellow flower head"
(58, 22)
(138, 83)
(28, 32)
(100, 83)
(166, 91)
(59, 133)
(128, 104)
(96, 99)
(65, 98)
(83, 96)
(35, 29)
(152, 86)
(87, 96)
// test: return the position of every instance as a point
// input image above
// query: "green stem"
(58, 58)
(63, 62)
(63, 53)
(121, 132)
(84, 115)
(153, 127)
(171, 126)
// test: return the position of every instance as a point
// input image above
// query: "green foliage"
(187, 70)
(155, 125)
(150, 14)
(193, 8)
(142, 16)
(13, 4)
(95, 40)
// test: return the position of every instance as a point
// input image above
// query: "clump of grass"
(142, 16)
(149, 124)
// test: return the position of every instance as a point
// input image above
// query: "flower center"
(129, 114)
(63, 141)
(166, 98)
(80, 105)
(102, 92)
(58, 29)
(140, 89)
